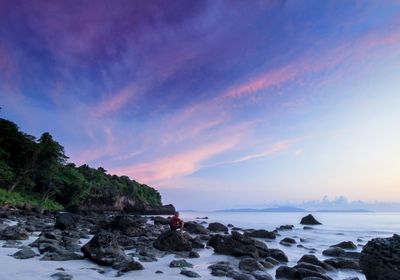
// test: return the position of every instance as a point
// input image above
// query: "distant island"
(275, 209)
(292, 209)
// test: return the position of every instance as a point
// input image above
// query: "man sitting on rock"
(176, 223)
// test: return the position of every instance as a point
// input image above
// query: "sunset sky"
(215, 103)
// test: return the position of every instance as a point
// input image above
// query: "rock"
(11, 244)
(193, 255)
(307, 228)
(238, 245)
(172, 241)
(195, 228)
(309, 220)
(333, 252)
(250, 265)
(342, 263)
(278, 255)
(285, 227)
(127, 264)
(160, 220)
(190, 273)
(217, 227)
(24, 254)
(221, 269)
(159, 272)
(65, 221)
(202, 218)
(380, 258)
(261, 233)
(285, 272)
(103, 249)
(61, 276)
(287, 241)
(126, 242)
(311, 259)
(261, 275)
(180, 263)
(346, 245)
(241, 276)
(14, 233)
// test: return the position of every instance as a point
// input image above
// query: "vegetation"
(36, 171)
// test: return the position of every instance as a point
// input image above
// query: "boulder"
(103, 249)
(346, 245)
(65, 221)
(342, 263)
(333, 252)
(278, 255)
(217, 227)
(190, 274)
(287, 241)
(285, 227)
(172, 241)
(380, 258)
(158, 220)
(24, 254)
(180, 263)
(195, 228)
(14, 233)
(250, 265)
(61, 276)
(261, 233)
(309, 220)
(238, 245)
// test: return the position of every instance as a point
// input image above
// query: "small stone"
(190, 273)
(61, 276)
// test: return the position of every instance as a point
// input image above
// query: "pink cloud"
(178, 165)
(115, 101)
(344, 53)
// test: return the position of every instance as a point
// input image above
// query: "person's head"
(177, 214)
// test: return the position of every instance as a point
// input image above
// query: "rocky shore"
(123, 243)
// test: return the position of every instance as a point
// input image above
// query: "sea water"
(336, 227)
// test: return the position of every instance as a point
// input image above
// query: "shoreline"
(154, 226)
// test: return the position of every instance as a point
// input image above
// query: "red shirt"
(175, 223)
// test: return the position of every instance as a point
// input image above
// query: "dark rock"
(278, 255)
(24, 254)
(311, 259)
(250, 265)
(126, 242)
(193, 255)
(66, 221)
(238, 245)
(127, 264)
(307, 228)
(180, 263)
(285, 227)
(261, 233)
(221, 269)
(103, 249)
(333, 252)
(241, 276)
(309, 220)
(159, 272)
(346, 245)
(217, 227)
(172, 241)
(380, 258)
(285, 272)
(160, 220)
(287, 241)
(195, 228)
(14, 233)
(190, 273)
(61, 276)
(342, 263)
(261, 275)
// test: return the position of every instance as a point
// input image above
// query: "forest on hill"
(36, 171)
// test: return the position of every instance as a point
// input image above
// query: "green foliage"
(39, 167)
(18, 199)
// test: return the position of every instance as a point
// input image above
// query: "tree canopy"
(39, 166)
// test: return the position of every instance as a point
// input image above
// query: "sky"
(217, 104)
